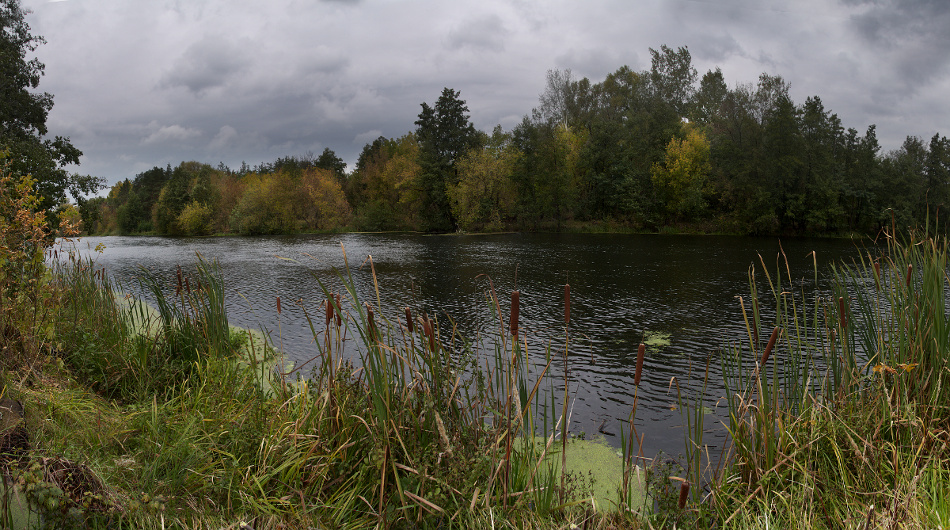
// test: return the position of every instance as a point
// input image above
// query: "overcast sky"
(143, 83)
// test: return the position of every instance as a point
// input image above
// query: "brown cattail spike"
(278, 303)
(339, 309)
(877, 275)
(910, 270)
(513, 323)
(641, 353)
(684, 494)
(329, 311)
(567, 304)
(842, 315)
(769, 346)
(429, 330)
(409, 319)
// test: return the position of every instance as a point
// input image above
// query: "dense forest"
(656, 150)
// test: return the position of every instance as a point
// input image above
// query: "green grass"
(166, 416)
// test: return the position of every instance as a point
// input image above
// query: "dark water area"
(624, 288)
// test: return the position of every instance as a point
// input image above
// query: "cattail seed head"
(278, 302)
(329, 311)
(910, 270)
(641, 353)
(684, 494)
(339, 310)
(409, 323)
(430, 332)
(513, 323)
(842, 315)
(567, 304)
(769, 346)
(187, 285)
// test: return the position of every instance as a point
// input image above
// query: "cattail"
(567, 304)
(329, 308)
(877, 275)
(339, 309)
(640, 354)
(178, 289)
(842, 316)
(278, 301)
(428, 329)
(188, 286)
(769, 346)
(513, 324)
(409, 319)
(910, 269)
(684, 494)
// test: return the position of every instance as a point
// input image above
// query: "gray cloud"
(483, 33)
(210, 62)
(154, 83)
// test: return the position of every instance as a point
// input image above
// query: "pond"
(677, 293)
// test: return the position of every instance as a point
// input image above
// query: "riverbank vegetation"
(839, 418)
(116, 415)
(655, 150)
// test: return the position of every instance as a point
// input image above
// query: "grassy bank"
(169, 417)
(119, 416)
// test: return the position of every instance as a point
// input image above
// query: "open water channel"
(677, 292)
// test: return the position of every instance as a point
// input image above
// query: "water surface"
(625, 288)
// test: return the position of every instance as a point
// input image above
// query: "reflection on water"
(623, 288)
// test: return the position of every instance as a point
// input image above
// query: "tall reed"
(849, 395)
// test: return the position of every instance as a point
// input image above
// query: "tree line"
(657, 149)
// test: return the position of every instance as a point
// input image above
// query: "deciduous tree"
(23, 114)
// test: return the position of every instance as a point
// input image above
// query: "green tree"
(329, 161)
(938, 175)
(23, 114)
(445, 134)
(904, 184)
(629, 133)
(387, 174)
(708, 101)
(673, 77)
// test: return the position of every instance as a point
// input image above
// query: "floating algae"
(595, 459)
(656, 338)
